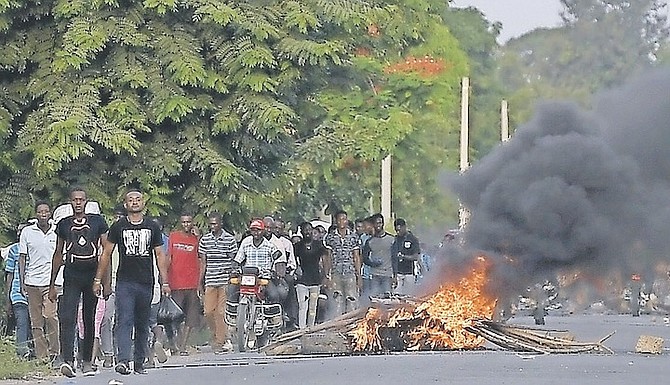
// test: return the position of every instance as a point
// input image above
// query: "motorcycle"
(255, 320)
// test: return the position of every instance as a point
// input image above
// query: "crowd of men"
(64, 276)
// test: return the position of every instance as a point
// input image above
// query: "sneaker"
(67, 370)
(228, 346)
(122, 368)
(225, 348)
(87, 369)
(108, 362)
(139, 369)
(56, 361)
(161, 356)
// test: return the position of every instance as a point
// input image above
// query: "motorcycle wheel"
(241, 324)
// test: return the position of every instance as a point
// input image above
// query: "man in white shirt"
(36, 248)
(275, 229)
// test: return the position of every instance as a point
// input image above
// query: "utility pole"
(504, 121)
(386, 189)
(463, 213)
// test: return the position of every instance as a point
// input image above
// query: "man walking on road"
(217, 250)
(406, 254)
(184, 275)
(139, 240)
(36, 249)
(377, 254)
(78, 241)
(17, 303)
(343, 265)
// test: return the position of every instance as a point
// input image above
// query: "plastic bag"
(168, 311)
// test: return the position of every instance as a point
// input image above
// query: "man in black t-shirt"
(139, 241)
(78, 242)
(406, 255)
(309, 254)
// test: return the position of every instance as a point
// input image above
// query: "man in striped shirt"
(217, 250)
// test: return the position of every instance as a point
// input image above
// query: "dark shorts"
(189, 302)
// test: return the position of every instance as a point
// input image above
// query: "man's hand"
(97, 288)
(165, 289)
(195, 231)
(201, 292)
(106, 291)
(53, 294)
(24, 292)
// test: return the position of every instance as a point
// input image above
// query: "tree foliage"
(600, 45)
(242, 107)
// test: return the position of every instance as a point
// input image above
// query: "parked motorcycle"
(255, 320)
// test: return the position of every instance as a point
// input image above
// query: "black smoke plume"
(588, 189)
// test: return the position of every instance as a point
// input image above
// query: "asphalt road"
(473, 367)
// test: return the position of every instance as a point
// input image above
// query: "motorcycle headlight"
(235, 280)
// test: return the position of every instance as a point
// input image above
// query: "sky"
(517, 16)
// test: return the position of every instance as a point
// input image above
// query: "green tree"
(600, 45)
(400, 97)
(243, 107)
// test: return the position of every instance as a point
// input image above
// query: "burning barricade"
(456, 317)
(437, 323)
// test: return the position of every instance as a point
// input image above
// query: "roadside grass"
(13, 367)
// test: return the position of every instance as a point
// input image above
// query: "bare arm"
(56, 264)
(9, 277)
(328, 263)
(56, 261)
(22, 272)
(203, 269)
(163, 266)
(107, 278)
(357, 264)
(104, 264)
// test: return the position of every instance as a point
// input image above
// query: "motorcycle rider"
(257, 251)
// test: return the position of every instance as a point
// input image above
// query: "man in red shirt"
(184, 278)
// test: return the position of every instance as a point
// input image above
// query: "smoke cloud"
(577, 188)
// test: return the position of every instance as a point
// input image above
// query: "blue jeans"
(345, 293)
(380, 285)
(22, 328)
(133, 306)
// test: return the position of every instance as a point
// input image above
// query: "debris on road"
(649, 345)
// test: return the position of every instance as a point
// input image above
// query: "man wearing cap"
(405, 255)
(257, 251)
(217, 250)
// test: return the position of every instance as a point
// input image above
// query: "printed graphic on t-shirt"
(82, 246)
(183, 246)
(137, 242)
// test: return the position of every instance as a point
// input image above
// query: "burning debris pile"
(437, 323)
(457, 317)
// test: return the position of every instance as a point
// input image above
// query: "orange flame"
(438, 322)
